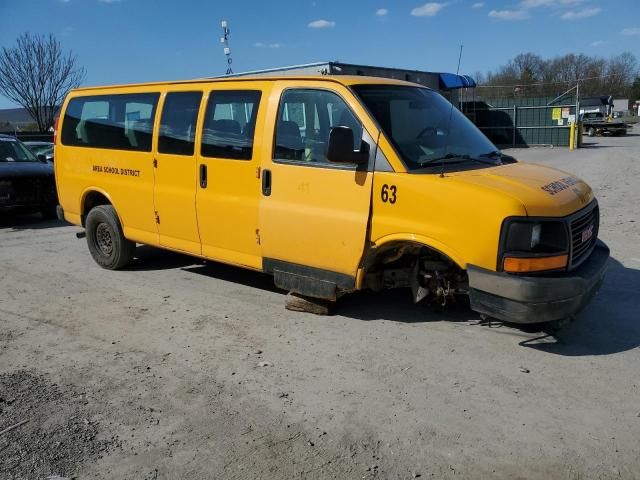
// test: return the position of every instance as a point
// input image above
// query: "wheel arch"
(390, 241)
(92, 197)
(392, 248)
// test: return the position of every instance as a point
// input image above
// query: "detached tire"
(107, 244)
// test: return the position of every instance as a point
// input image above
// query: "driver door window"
(305, 119)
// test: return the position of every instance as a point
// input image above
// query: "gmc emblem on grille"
(587, 233)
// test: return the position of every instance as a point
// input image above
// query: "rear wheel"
(106, 241)
(591, 132)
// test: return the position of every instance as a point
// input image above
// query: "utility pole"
(225, 41)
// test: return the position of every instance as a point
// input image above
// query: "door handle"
(203, 176)
(266, 182)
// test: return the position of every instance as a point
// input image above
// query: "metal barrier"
(523, 125)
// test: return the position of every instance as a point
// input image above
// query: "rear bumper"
(519, 299)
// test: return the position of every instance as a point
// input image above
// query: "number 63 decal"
(388, 193)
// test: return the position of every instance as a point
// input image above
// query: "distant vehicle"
(594, 123)
(42, 150)
(27, 184)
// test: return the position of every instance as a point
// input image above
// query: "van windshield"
(425, 130)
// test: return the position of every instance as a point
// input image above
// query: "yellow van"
(330, 184)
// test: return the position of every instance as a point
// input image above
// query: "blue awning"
(452, 81)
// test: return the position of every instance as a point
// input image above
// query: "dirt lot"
(154, 372)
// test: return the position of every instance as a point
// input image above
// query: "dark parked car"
(27, 184)
(42, 150)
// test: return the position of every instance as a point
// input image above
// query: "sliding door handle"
(203, 176)
(266, 182)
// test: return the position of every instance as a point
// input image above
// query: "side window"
(305, 119)
(178, 123)
(120, 122)
(230, 123)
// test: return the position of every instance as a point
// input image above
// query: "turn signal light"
(539, 264)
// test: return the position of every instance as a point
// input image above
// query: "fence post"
(515, 124)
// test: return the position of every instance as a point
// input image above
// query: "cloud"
(509, 15)
(430, 9)
(598, 43)
(381, 12)
(322, 24)
(550, 3)
(630, 31)
(267, 45)
(478, 5)
(576, 15)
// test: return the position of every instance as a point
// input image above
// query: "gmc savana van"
(330, 184)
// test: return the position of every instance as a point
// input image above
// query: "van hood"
(542, 190)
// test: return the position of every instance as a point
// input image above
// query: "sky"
(127, 41)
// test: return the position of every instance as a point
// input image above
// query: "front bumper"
(518, 299)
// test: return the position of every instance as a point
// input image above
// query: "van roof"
(340, 79)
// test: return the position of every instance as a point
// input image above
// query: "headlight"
(535, 235)
(531, 245)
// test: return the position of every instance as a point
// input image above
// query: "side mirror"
(42, 158)
(340, 148)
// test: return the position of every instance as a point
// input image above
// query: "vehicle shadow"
(240, 276)
(33, 221)
(590, 145)
(609, 324)
(397, 306)
(151, 258)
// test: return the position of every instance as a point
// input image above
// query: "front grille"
(581, 243)
(27, 191)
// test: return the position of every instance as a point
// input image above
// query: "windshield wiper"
(495, 153)
(446, 157)
(464, 157)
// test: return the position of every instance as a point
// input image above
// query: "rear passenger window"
(305, 118)
(230, 123)
(178, 123)
(120, 122)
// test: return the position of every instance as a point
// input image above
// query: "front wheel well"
(415, 265)
(92, 199)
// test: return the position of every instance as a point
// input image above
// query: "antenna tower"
(225, 41)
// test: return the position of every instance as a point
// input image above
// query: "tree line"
(528, 74)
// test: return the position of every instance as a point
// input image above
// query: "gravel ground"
(179, 369)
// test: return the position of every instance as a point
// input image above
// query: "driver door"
(313, 214)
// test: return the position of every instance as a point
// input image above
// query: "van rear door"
(228, 189)
(175, 172)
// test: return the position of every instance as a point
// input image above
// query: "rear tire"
(105, 239)
(591, 132)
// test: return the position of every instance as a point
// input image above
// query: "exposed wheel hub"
(104, 239)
